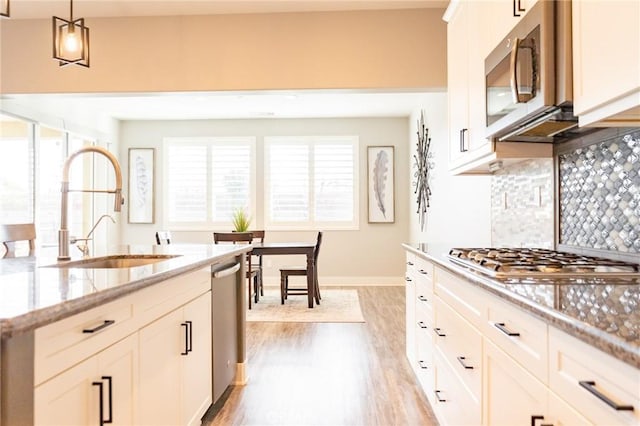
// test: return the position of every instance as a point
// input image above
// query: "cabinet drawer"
(411, 260)
(155, 301)
(424, 303)
(461, 345)
(463, 297)
(574, 362)
(424, 367)
(424, 322)
(62, 344)
(452, 403)
(424, 268)
(520, 335)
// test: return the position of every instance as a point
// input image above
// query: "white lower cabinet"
(175, 367)
(410, 313)
(605, 390)
(454, 403)
(512, 395)
(73, 397)
(149, 354)
(482, 360)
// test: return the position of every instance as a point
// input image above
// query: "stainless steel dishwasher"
(224, 325)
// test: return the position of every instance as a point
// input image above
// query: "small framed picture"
(141, 185)
(381, 184)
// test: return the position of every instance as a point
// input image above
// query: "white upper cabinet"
(465, 73)
(470, 39)
(606, 62)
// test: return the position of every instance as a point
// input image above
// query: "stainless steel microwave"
(528, 78)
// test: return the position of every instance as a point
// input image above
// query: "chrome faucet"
(63, 233)
(84, 248)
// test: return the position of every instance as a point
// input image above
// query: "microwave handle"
(517, 96)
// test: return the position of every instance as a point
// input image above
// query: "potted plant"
(241, 220)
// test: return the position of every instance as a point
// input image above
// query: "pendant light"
(4, 8)
(70, 40)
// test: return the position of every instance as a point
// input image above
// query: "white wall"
(460, 212)
(371, 255)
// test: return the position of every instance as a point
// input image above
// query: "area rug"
(335, 306)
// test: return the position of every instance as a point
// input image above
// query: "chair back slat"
(163, 237)
(233, 237)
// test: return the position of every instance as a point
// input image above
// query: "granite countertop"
(32, 295)
(604, 313)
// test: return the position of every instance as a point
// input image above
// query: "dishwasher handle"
(226, 271)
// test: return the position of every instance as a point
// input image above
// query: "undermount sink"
(115, 261)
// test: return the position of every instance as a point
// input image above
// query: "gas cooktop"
(538, 262)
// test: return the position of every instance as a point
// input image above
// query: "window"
(16, 171)
(207, 179)
(311, 182)
(31, 159)
(52, 148)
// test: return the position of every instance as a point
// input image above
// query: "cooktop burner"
(510, 262)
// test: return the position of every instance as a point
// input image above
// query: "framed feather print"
(381, 184)
(141, 188)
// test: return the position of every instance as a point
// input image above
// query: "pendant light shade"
(5, 8)
(70, 40)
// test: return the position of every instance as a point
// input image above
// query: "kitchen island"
(61, 328)
(514, 350)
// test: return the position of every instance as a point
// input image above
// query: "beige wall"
(370, 255)
(391, 49)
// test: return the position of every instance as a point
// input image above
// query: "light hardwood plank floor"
(330, 373)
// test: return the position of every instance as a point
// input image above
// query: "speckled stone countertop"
(604, 313)
(32, 295)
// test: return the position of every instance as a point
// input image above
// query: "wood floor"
(330, 374)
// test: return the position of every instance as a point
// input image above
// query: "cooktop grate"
(510, 262)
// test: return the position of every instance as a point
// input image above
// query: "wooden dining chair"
(288, 271)
(163, 237)
(256, 261)
(10, 234)
(253, 276)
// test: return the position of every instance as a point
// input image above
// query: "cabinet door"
(72, 397)
(410, 313)
(476, 141)
(457, 84)
(69, 398)
(505, 14)
(161, 345)
(562, 414)
(120, 364)
(197, 364)
(511, 395)
(606, 62)
(453, 403)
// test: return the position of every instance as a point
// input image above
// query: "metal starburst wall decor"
(424, 163)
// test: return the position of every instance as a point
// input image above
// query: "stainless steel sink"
(115, 261)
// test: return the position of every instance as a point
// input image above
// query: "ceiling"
(217, 105)
(242, 105)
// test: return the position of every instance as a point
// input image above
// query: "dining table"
(290, 248)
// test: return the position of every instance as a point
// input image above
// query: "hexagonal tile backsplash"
(600, 195)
